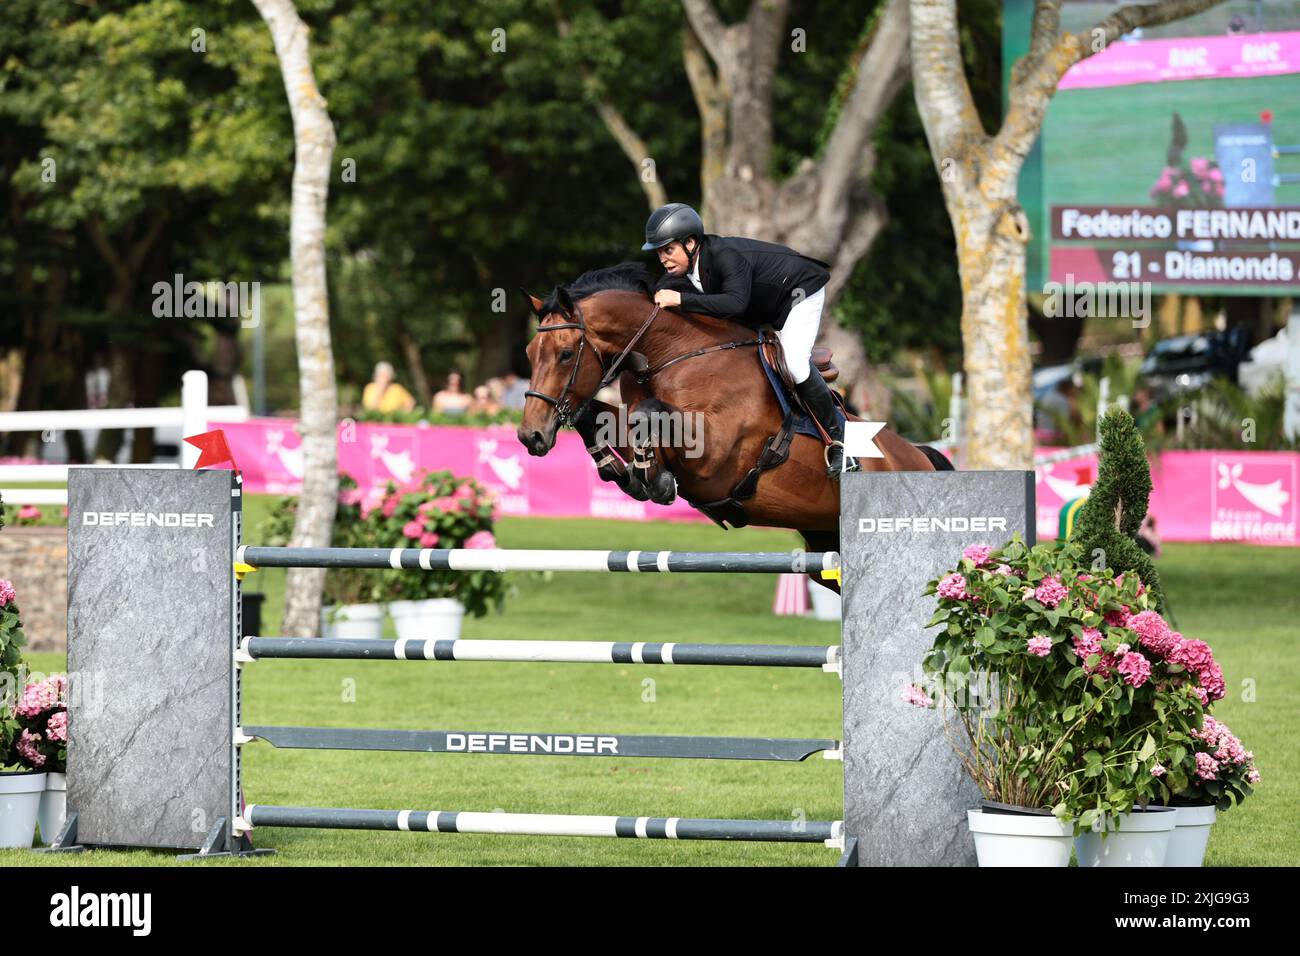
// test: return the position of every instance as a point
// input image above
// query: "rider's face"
(675, 258)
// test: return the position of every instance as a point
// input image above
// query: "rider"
(755, 283)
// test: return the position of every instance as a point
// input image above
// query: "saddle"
(775, 356)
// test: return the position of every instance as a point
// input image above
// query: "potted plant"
(982, 671)
(20, 787)
(351, 596)
(439, 511)
(1212, 772)
(1059, 719)
(1184, 674)
(42, 746)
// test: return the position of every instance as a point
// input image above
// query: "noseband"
(563, 405)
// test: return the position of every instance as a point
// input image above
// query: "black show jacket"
(748, 281)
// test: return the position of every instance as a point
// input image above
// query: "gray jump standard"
(172, 634)
(155, 659)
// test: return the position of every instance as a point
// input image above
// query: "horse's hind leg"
(822, 541)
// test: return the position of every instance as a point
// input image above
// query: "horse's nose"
(532, 439)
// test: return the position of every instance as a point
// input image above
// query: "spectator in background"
(385, 395)
(452, 400)
(512, 396)
(483, 403)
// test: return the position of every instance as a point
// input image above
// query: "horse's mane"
(624, 277)
(634, 277)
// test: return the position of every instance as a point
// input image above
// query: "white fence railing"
(192, 417)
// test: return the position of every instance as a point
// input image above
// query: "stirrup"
(850, 463)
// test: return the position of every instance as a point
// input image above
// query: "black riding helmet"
(675, 221)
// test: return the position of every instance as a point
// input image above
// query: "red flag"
(213, 449)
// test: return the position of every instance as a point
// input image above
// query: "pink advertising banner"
(1187, 58)
(1197, 496)
(1247, 496)
(564, 483)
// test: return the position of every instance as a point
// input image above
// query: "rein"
(563, 404)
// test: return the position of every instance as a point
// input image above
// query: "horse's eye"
(566, 354)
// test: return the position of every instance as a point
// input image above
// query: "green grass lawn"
(1242, 600)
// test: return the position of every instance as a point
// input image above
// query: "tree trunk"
(827, 210)
(978, 174)
(313, 135)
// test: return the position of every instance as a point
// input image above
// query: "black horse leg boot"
(817, 396)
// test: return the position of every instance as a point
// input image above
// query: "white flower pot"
(353, 620)
(20, 799)
(825, 603)
(54, 806)
(435, 619)
(1020, 839)
(1142, 839)
(1191, 834)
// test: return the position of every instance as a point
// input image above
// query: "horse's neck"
(673, 334)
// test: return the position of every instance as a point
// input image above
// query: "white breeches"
(800, 333)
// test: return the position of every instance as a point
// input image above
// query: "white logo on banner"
(290, 459)
(1270, 498)
(508, 470)
(399, 464)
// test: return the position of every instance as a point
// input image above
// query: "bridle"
(563, 405)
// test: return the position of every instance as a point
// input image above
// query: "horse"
(604, 326)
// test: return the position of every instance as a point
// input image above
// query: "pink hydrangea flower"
(428, 540)
(1122, 649)
(1157, 771)
(412, 529)
(57, 727)
(29, 512)
(28, 745)
(1203, 695)
(481, 540)
(464, 491)
(1117, 618)
(1206, 766)
(1252, 776)
(1211, 678)
(7, 593)
(390, 506)
(1153, 632)
(1088, 643)
(1134, 668)
(916, 697)
(1195, 655)
(1051, 592)
(1003, 569)
(977, 554)
(38, 698)
(1040, 646)
(953, 587)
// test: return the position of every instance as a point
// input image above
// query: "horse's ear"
(566, 301)
(534, 303)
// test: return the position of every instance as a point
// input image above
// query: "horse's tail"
(937, 458)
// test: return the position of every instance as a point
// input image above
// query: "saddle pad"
(803, 425)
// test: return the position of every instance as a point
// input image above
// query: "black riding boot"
(817, 396)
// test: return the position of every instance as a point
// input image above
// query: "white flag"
(859, 439)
